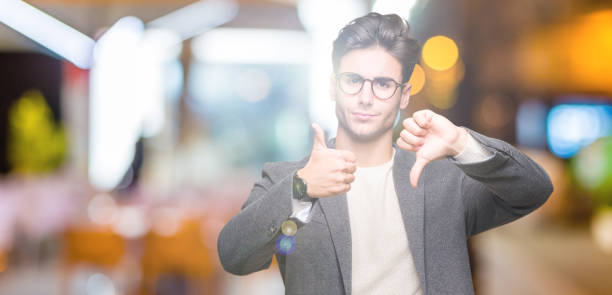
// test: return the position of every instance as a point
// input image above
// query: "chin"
(366, 134)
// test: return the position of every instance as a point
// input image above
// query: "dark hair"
(389, 31)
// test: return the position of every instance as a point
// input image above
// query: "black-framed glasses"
(352, 83)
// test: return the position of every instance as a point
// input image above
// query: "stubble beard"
(363, 137)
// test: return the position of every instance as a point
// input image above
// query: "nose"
(366, 97)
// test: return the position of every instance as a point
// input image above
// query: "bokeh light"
(601, 229)
(102, 209)
(440, 53)
(441, 86)
(401, 8)
(593, 169)
(252, 85)
(100, 284)
(130, 222)
(572, 126)
(417, 80)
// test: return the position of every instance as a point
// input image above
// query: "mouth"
(363, 116)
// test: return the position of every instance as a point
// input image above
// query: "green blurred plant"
(36, 144)
(592, 168)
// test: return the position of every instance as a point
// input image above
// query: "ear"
(405, 96)
(332, 87)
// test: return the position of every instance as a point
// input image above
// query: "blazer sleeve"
(247, 242)
(503, 188)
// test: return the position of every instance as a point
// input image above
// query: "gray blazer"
(452, 202)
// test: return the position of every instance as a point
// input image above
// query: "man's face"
(363, 116)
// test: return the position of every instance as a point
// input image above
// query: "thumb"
(319, 137)
(416, 170)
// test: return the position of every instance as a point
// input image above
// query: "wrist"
(460, 143)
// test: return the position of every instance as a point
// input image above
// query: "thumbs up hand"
(431, 136)
(329, 172)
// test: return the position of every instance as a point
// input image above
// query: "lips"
(363, 116)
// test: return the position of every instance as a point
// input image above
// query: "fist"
(329, 172)
(431, 136)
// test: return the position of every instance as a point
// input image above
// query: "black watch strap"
(299, 188)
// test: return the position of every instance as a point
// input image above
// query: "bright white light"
(198, 17)
(323, 21)
(128, 89)
(114, 112)
(48, 32)
(399, 7)
(328, 17)
(252, 46)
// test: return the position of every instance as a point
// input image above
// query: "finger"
(346, 155)
(411, 138)
(410, 125)
(404, 145)
(417, 169)
(348, 178)
(343, 188)
(349, 167)
(423, 118)
(319, 137)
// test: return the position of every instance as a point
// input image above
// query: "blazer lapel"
(335, 210)
(412, 205)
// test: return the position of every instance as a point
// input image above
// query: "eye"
(352, 79)
(384, 83)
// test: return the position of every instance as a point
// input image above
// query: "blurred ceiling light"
(132, 76)
(399, 7)
(417, 80)
(48, 32)
(252, 46)
(198, 17)
(328, 17)
(117, 102)
(440, 53)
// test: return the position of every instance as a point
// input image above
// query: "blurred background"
(131, 131)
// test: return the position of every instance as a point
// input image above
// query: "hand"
(431, 136)
(329, 172)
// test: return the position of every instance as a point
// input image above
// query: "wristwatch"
(299, 188)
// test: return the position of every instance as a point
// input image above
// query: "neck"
(369, 153)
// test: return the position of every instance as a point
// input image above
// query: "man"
(373, 217)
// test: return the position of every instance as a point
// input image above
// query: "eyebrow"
(377, 77)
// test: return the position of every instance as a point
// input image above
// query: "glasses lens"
(384, 88)
(350, 83)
